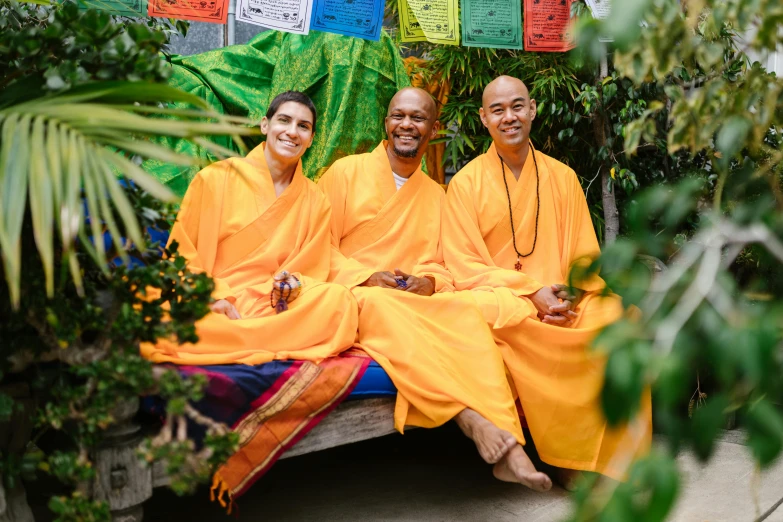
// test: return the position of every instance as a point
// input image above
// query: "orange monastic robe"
(232, 226)
(437, 349)
(557, 376)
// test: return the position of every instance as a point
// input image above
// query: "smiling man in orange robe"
(433, 343)
(245, 220)
(515, 222)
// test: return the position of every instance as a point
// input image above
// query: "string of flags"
(479, 23)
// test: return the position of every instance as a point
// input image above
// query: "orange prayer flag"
(548, 26)
(213, 11)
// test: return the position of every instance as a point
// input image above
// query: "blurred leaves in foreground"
(85, 278)
(707, 323)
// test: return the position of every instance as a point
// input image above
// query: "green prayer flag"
(492, 23)
(132, 8)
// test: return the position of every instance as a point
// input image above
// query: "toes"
(493, 456)
(487, 454)
(544, 483)
(537, 482)
(496, 456)
(494, 452)
(495, 445)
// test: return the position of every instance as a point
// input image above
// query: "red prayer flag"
(547, 26)
(214, 11)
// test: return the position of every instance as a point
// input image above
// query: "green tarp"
(350, 80)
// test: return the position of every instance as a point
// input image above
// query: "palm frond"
(63, 154)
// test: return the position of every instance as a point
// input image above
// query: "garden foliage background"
(676, 137)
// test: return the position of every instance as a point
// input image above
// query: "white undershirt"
(399, 180)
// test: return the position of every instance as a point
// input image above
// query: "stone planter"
(121, 479)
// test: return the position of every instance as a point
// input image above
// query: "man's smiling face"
(508, 112)
(410, 122)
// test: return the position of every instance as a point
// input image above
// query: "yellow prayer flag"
(435, 21)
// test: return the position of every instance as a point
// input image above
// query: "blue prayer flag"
(359, 18)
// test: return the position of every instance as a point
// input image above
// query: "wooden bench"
(125, 483)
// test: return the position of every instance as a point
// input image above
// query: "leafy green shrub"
(84, 280)
(725, 115)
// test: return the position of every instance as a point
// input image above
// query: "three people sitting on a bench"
(460, 297)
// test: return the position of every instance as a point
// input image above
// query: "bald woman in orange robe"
(246, 220)
(515, 221)
(434, 344)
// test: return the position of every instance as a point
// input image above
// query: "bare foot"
(492, 442)
(568, 479)
(517, 467)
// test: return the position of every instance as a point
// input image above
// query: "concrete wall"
(204, 37)
(772, 61)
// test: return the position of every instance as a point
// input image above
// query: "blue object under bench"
(374, 383)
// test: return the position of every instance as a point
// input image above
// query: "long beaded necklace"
(518, 264)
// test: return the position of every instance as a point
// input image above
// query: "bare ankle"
(466, 420)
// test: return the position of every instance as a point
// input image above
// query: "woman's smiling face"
(289, 132)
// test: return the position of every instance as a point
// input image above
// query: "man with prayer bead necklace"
(434, 344)
(515, 221)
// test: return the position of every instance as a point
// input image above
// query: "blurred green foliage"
(705, 315)
(84, 280)
(87, 44)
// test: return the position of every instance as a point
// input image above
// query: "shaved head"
(417, 96)
(503, 84)
(508, 111)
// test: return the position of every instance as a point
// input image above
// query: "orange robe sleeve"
(434, 266)
(578, 235)
(344, 270)
(312, 264)
(197, 229)
(425, 204)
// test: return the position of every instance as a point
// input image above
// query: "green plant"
(80, 355)
(55, 145)
(724, 115)
(84, 280)
(582, 116)
(569, 99)
(552, 79)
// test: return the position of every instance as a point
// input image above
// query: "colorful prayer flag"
(600, 9)
(290, 16)
(360, 18)
(492, 23)
(548, 25)
(435, 21)
(131, 8)
(410, 29)
(213, 11)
